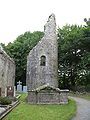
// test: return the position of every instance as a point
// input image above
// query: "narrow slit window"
(43, 61)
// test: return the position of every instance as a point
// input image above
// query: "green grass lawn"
(25, 111)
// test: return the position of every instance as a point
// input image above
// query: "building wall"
(7, 72)
(38, 75)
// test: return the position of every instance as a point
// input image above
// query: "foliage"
(5, 101)
(19, 50)
(26, 111)
(74, 55)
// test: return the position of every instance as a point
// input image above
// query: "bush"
(88, 88)
(5, 101)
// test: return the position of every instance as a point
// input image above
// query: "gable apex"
(46, 86)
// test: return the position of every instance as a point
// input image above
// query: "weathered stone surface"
(7, 72)
(25, 89)
(48, 95)
(10, 91)
(38, 75)
(42, 69)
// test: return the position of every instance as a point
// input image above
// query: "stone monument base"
(47, 95)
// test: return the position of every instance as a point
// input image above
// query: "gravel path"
(83, 109)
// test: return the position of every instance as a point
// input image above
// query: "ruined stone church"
(42, 69)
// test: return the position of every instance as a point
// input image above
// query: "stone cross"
(19, 86)
(19, 83)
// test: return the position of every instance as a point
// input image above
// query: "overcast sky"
(19, 16)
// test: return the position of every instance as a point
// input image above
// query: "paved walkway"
(83, 109)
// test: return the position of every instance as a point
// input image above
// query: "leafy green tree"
(85, 63)
(73, 52)
(19, 50)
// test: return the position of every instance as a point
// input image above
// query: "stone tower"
(42, 60)
(42, 68)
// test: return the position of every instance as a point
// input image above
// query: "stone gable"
(42, 69)
(7, 72)
(37, 74)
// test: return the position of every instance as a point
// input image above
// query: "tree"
(86, 54)
(72, 51)
(19, 50)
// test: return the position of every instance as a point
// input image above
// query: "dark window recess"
(43, 61)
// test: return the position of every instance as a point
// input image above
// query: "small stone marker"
(5, 92)
(10, 91)
(19, 86)
(14, 91)
(25, 89)
(0, 91)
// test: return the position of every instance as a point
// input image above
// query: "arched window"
(43, 61)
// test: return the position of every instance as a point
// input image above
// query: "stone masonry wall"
(38, 75)
(7, 71)
(48, 97)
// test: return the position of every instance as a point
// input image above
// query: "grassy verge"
(26, 111)
(85, 95)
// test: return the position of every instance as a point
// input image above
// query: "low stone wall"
(48, 97)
